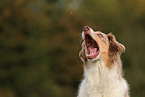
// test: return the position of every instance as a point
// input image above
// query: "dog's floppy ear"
(82, 56)
(82, 53)
(115, 46)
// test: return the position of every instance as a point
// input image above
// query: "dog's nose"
(86, 28)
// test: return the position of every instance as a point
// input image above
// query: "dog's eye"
(100, 35)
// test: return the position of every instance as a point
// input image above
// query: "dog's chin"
(93, 57)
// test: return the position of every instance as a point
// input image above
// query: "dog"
(103, 76)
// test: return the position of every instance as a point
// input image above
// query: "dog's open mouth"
(92, 47)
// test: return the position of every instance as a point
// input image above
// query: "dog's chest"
(99, 74)
(100, 81)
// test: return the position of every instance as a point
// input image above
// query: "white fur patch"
(99, 81)
(83, 37)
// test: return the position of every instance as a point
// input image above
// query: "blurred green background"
(40, 41)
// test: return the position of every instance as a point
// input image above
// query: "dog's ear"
(82, 56)
(115, 46)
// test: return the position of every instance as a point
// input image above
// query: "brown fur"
(107, 54)
(110, 49)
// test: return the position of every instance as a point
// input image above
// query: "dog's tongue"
(92, 50)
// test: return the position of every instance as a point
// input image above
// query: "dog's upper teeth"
(89, 44)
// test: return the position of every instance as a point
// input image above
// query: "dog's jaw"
(92, 47)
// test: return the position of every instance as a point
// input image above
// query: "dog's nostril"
(86, 28)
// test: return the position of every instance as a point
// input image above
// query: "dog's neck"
(97, 72)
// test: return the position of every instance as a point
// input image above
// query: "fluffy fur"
(102, 73)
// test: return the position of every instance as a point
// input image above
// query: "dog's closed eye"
(100, 35)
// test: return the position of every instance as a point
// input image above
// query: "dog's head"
(97, 45)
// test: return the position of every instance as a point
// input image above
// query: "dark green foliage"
(40, 41)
